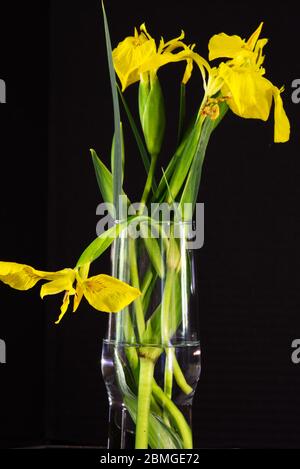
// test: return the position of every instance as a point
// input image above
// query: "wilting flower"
(242, 80)
(103, 292)
(137, 55)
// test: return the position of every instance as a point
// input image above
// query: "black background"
(53, 60)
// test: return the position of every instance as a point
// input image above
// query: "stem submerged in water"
(148, 357)
(144, 397)
(181, 424)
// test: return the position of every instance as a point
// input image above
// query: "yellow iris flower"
(103, 292)
(137, 55)
(250, 94)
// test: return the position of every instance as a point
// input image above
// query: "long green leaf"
(138, 138)
(113, 148)
(147, 288)
(117, 166)
(100, 244)
(105, 182)
(190, 192)
(175, 161)
(153, 249)
(104, 178)
(153, 332)
(184, 164)
(182, 105)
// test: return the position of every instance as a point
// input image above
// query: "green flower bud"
(152, 113)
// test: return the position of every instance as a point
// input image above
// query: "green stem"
(131, 351)
(149, 181)
(148, 357)
(138, 306)
(144, 397)
(168, 385)
(181, 424)
(168, 382)
(133, 358)
(179, 376)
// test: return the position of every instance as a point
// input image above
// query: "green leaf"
(190, 192)
(105, 182)
(153, 249)
(160, 193)
(147, 287)
(182, 104)
(185, 161)
(100, 244)
(104, 178)
(139, 141)
(153, 332)
(117, 166)
(113, 148)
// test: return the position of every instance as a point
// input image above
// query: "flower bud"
(152, 113)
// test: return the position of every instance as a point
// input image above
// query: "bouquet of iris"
(151, 351)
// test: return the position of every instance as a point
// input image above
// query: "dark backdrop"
(51, 386)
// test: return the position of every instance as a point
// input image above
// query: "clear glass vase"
(151, 352)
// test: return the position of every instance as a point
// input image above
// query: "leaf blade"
(117, 167)
(139, 141)
(104, 178)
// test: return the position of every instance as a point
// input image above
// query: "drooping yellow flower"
(103, 292)
(139, 54)
(241, 79)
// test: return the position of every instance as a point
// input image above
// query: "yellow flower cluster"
(240, 79)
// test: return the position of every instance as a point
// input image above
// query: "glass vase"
(151, 352)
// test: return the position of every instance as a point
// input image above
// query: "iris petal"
(281, 122)
(222, 45)
(24, 277)
(108, 294)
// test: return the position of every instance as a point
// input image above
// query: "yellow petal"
(254, 37)
(77, 297)
(64, 307)
(18, 276)
(108, 294)
(281, 122)
(163, 59)
(63, 282)
(188, 71)
(250, 93)
(24, 277)
(82, 275)
(259, 58)
(173, 43)
(129, 55)
(222, 45)
(144, 30)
